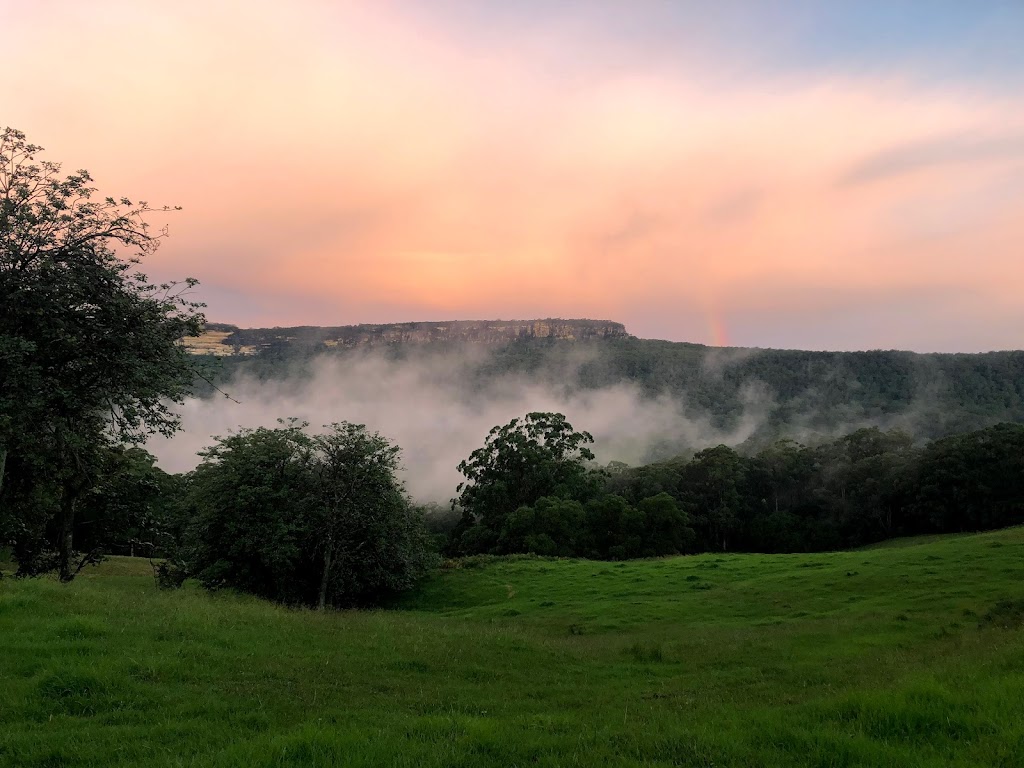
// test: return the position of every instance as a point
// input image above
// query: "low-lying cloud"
(438, 411)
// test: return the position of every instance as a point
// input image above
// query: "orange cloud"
(356, 159)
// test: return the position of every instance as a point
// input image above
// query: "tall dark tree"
(367, 535)
(90, 349)
(714, 483)
(529, 458)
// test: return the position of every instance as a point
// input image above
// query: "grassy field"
(909, 655)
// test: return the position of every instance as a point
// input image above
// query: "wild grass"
(908, 655)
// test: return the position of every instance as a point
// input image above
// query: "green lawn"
(891, 656)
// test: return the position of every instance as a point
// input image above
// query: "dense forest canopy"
(795, 393)
(864, 487)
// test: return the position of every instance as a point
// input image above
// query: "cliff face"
(221, 339)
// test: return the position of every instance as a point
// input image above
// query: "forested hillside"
(802, 394)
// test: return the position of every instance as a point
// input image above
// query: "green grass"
(891, 656)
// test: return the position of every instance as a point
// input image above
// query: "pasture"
(909, 654)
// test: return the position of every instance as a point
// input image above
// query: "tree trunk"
(328, 557)
(3, 466)
(65, 543)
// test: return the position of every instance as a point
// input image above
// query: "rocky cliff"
(222, 339)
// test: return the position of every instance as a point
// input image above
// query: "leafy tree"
(854, 490)
(971, 482)
(782, 469)
(89, 347)
(367, 535)
(638, 483)
(130, 507)
(317, 520)
(529, 458)
(715, 483)
(248, 502)
(880, 486)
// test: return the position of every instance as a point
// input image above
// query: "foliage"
(304, 519)
(551, 526)
(713, 484)
(861, 488)
(971, 482)
(89, 348)
(368, 536)
(574, 518)
(247, 505)
(131, 507)
(614, 529)
(169, 574)
(527, 459)
(858, 489)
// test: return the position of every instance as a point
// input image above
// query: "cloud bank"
(434, 409)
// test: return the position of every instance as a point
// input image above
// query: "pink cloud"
(358, 162)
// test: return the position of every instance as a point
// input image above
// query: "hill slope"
(897, 656)
(783, 392)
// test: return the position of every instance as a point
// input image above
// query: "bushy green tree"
(667, 529)
(89, 347)
(367, 536)
(613, 529)
(971, 482)
(527, 459)
(248, 502)
(304, 519)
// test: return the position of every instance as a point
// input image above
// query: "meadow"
(905, 654)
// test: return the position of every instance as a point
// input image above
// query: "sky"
(775, 173)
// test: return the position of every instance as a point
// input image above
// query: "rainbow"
(717, 329)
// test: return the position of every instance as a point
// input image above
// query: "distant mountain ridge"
(225, 339)
(764, 393)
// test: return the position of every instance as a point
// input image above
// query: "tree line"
(321, 518)
(530, 490)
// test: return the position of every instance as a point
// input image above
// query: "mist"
(438, 412)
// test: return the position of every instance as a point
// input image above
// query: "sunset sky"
(784, 173)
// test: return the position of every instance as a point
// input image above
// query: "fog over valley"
(438, 412)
